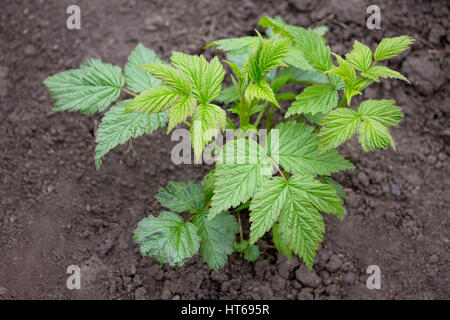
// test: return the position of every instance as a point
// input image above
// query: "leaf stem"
(128, 92)
(187, 123)
(240, 227)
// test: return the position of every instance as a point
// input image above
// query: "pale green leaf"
(261, 91)
(391, 47)
(314, 99)
(174, 78)
(377, 72)
(234, 45)
(207, 121)
(154, 100)
(137, 79)
(181, 110)
(338, 126)
(360, 57)
(242, 167)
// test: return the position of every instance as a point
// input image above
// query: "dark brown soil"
(56, 210)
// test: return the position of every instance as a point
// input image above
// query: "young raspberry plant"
(283, 182)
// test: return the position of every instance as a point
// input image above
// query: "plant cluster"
(284, 181)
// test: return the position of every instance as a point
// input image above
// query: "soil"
(56, 210)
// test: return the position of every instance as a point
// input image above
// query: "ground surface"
(56, 210)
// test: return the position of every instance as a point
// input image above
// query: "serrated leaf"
(266, 207)
(217, 236)
(181, 110)
(208, 185)
(117, 127)
(336, 185)
(377, 72)
(315, 51)
(137, 79)
(314, 99)
(261, 91)
(338, 126)
(182, 197)
(279, 244)
(242, 167)
(174, 78)
(154, 100)
(360, 57)
(206, 123)
(295, 147)
(377, 116)
(347, 73)
(228, 95)
(167, 238)
(89, 89)
(295, 58)
(206, 76)
(391, 47)
(234, 45)
(304, 76)
(267, 55)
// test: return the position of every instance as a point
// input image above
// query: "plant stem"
(128, 92)
(187, 123)
(240, 227)
(231, 123)
(260, 115)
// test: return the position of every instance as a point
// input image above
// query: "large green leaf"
(89, 89)
(295, 147)
(167, 238)
(242, 167)
(137, 79)
(217, 236)
(181, 197)
(314, 99)
(117, 127)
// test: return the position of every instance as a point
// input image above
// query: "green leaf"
(167, 238)
(295, 147)
(138, 80)
(208, 185)
(206, 76)
(234, 45)
(348, 74)
(242, 167)
(336, 185)
(206, 123)
(181, 110)
(304, 76)
(117, 127)
(315, 51)
(391, 47)
(360, 57)
(228, 95)
(240, 246)
(154, 100)
(279, 244)
(251, 253)
(181, 197)
(261, 91)
(89, 89)
(296, 58)
(314, 99)
(377, 116)
(217, 236)
(377, 72)
(268, 54)
(338, 126)
(174, 78)
(266, 207)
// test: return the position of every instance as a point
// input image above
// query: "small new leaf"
(391, 47)
(360, 57)
(377, 72)
(261, 91)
